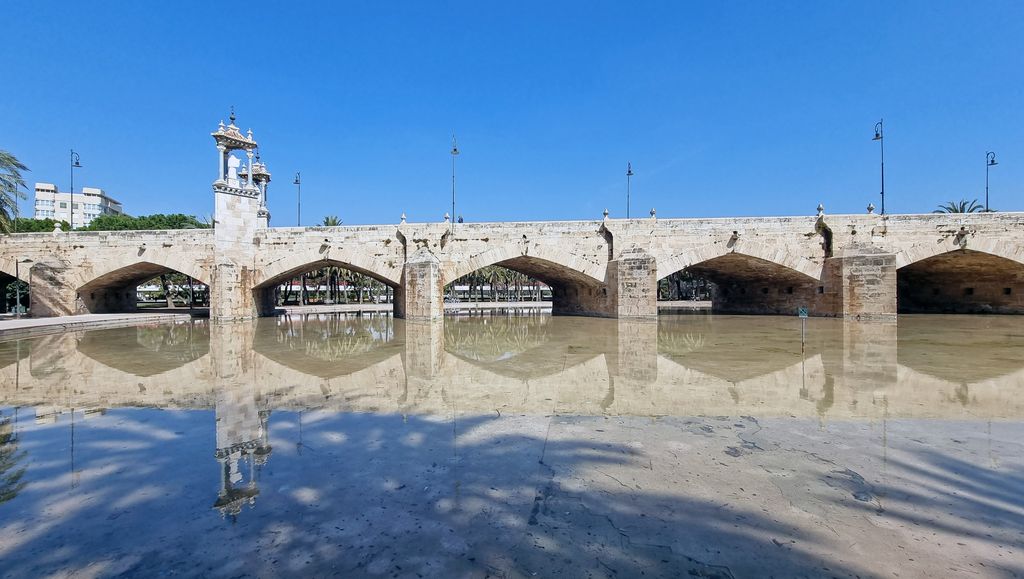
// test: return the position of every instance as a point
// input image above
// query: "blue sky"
(724, 108)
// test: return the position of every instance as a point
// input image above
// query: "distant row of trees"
(333, 285)
(113, 223)
(496, 283)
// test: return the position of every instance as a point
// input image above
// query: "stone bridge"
(852, 266)
(836, 265)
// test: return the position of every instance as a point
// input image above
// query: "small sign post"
(802, 312)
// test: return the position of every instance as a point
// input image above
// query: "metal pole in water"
(803, 333)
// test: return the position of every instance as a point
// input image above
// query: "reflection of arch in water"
(114, 289)
(526, 348)
(960, 281)
(962, 349)
(147, 350)
(326, 346)
(734, 348)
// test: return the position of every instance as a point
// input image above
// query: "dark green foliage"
(145, 222)
(29, 225)
(11, 185)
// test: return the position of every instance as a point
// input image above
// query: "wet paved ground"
(523, 447)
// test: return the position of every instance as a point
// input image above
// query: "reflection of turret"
(233, 492)
(242, 438)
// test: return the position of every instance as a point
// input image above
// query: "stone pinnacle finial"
(871, 208)
(403, 217)
(606, 214)
(447, 217)
(821, 209)
(232, 117)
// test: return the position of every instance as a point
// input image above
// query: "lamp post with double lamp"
(990, 161)
(298, 199)
(881, 147)
(17, 285)
(629, 175)
(74, 165)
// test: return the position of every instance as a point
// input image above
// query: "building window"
(969, 291)
(1007, 291)
(63, 205)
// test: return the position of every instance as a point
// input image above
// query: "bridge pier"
(630, 290)
(867, 281)
(52, 293)
(420, 296)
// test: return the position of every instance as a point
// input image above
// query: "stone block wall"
(868, 283)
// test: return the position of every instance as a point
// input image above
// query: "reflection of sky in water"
(563, 446)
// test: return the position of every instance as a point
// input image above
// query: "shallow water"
(516, 446)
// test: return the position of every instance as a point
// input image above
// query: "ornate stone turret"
(261, 176)
(240, 212)
(229, 138)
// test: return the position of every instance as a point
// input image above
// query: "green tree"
(145, 222)
(962, 206)
(11, 185)
(331, 221)
(29, 225)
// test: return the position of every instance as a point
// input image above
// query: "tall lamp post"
(990, 161)
(298, 199)
(74, 165)
(629, 175)
(881, 147)
(17, 285)
(455, 153)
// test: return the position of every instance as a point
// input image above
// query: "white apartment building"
(89, 204)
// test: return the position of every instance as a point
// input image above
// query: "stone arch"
(536, 260)
(961, 281)
(921, 251)
(116, 265)
(776, 255)
(293, 264)
(113, 288)
(577, 285)
(747, 277)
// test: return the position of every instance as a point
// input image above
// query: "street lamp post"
(455, 153)
(629, 175)
(74, 165)
(881, 147)
(990, 161)
(298, 199)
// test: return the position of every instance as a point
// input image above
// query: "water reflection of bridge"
(688, 365)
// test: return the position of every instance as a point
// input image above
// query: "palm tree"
(11, 185)
(331, 221)
(962, 206)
